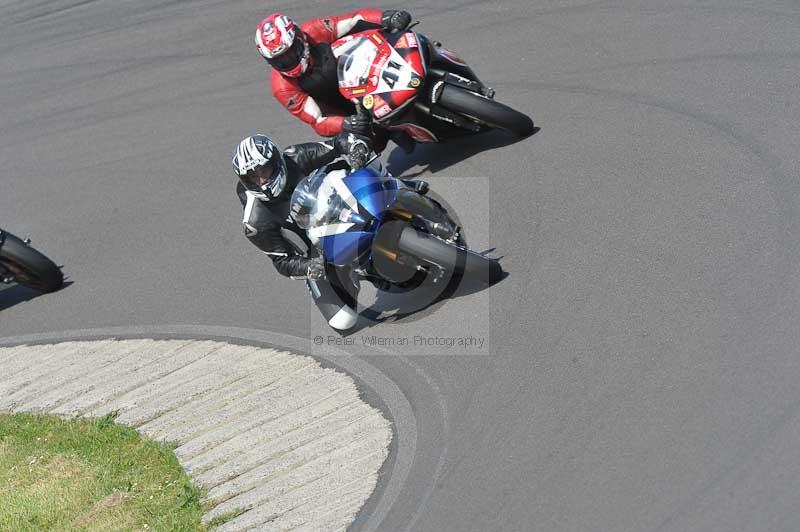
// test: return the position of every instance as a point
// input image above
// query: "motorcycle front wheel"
(451, 258)
(486, 110)
(29, 267)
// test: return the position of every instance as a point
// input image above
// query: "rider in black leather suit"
(267, 178)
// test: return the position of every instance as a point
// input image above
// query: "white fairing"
(331, 187)
(362, 53)
(359, 57)
(326, 203)
(345, 319)
(403, 71)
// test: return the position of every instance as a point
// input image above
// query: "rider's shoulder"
(281, 81)
(319, 30)
(285, 89)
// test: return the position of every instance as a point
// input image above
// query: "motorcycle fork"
(457, 80)
(438, 229)
(445, 115)
(404, 260)
(423, 213)
(385, 242)
(437, 79)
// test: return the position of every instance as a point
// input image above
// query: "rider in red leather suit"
(304, 76)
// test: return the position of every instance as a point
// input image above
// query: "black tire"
(485, 110)
(29, 267)
(453, 259)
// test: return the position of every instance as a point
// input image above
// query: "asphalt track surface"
(642, 367)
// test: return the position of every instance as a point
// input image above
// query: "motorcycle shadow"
(411, 305)
(434, 158)
(15, 294)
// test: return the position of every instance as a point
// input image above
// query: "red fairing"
(416, 132)
(384, 70)
(287, 90)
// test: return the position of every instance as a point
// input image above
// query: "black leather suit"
(266, 224)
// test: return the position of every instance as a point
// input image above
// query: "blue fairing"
(344, 248)
(373, 192)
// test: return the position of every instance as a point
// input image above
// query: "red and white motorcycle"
(411, 84)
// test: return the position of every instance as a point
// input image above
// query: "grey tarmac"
(640, 364)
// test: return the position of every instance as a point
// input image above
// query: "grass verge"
(90, 474)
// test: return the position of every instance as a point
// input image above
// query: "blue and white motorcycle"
(369, 225)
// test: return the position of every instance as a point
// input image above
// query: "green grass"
(82, 474)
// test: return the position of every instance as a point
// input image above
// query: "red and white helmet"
(283, 44)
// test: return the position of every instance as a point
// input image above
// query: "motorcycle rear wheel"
(29, 267)
(486, 110)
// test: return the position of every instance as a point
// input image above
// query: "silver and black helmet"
(259, 164)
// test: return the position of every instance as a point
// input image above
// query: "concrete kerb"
(374, 388)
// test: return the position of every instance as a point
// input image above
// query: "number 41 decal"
(391, 73)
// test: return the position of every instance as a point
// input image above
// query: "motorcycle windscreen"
(343, 249)
(373, 192)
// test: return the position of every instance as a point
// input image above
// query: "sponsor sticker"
(369, 101)
(382, 111)
(411, 39)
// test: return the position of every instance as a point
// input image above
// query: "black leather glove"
(396, 20)
(316, 269)
(354, 148)
(360, 124)
(342, 142)
(357, 158)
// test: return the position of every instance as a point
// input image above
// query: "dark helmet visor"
(289, 59)
(260, 175)
(268, 178)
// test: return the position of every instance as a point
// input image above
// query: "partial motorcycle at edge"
(21, 263)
